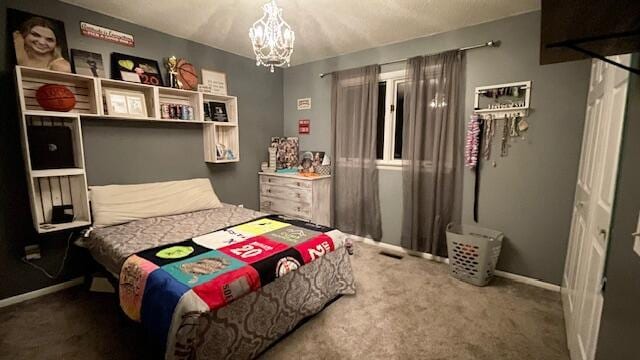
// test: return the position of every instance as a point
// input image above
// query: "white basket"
(473, 252)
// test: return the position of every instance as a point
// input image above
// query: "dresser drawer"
(285, 207)
(294, 194)
(283, 181)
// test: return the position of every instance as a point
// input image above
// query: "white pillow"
(117, 204)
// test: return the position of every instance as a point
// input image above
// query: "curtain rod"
(492, 43)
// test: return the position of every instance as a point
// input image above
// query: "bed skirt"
(249, 325)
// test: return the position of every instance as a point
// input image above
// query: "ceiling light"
(272, 38)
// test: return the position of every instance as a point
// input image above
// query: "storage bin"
(473, 252)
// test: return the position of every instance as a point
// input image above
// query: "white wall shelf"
(51, 187)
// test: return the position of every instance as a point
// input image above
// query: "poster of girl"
(38, 41)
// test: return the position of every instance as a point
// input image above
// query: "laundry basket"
(473, 252)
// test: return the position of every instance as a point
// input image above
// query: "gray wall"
(529, 194)
(119, 152)
(618, 338)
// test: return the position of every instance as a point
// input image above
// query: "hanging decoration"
(472, 148)
(272, 38)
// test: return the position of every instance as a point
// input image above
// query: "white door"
(595, 191)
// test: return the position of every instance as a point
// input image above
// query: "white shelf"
(118, 117)
(224, 161)
(514, 109)
(56, 172)
(222, 98)
(48, 228)
(45, 194)
(44, 113)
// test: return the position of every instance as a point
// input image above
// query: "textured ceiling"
(323, 28)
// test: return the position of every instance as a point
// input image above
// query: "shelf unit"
(50, 187)
(222, 133)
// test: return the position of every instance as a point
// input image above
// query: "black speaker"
(62, 214)
(51, 147)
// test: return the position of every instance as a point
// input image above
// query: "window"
(391, 90)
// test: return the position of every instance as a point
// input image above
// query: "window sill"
(395, 165)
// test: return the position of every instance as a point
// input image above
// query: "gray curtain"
(354, 104)
(430, 150)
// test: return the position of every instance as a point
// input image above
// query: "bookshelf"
(68, 186)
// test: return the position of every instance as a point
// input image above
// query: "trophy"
(172, 67)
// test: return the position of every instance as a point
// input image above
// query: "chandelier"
(272, 38)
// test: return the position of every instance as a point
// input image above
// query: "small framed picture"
(87, 63)
(218, 111)
(215, 80)
(135, 69)
(125, 103)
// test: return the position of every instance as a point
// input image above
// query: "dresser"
(306, 198)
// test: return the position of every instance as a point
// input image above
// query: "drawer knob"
(298, 195)
(269, 190)
(298, 184)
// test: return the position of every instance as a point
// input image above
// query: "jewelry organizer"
(504, 105)
(511, 99)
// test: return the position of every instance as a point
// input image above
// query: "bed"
(243, 326)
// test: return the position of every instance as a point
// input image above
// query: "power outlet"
(32, 252)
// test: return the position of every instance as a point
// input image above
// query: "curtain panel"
(354, 104)
(430, 150)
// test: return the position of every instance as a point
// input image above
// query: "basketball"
(54, 97)
(187, 75)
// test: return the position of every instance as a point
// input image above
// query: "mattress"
(111, 246)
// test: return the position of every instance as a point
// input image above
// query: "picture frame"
(125, 103)
(287, 152)
(25, 29)
(218, 111)
(135, 69)
(87, 63)
(215, 80)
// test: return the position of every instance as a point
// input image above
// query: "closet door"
(583, 275)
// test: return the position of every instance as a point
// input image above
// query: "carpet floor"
(403, 309)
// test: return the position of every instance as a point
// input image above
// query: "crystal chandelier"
(272, 38)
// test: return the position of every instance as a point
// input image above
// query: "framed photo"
(218, 111)
(87, 63)
(216, 81)
(38, 41)
(310, 161)
(286, 153)
(125, 103)
(135, 69)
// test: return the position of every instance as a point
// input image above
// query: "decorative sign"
(304, 126)
(304, 104)
(204, 88)
(103, 33)
(216, 81)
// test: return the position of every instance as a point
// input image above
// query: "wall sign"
(304, 126)
(215, 80)
(304, 104)
(106, 34)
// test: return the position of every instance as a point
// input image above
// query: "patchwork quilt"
(159, 286)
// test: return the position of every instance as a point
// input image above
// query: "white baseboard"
(503, 274)
(41, 292)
